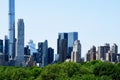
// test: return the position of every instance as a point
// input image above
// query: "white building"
(76, 53)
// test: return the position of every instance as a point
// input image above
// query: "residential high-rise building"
(76, 53)
(108, 56)
(40, 51)
(20, 43)
(1, 53)
(113, 53)
(114, 48)
(93, 53)
(45, 53)
(12, 29)
(72, 36)
(101, 52)
(106, 47)
(50, 55)
(1, 46)
(88, 56)
(6, 48)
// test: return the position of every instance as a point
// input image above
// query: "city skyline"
(97, 22)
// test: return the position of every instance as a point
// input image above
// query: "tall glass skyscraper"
(12, 29)
(43, 53)
(60, 37)
(20, 43)
(72, 37)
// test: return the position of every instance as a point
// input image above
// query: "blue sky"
(96, 21)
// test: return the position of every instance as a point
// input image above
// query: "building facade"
(12, 41)
(6, 48)
(50, 55)
(114, 48)
(32, 47)
(93, 53)
(1, 46)
(69, 38)
(45, 53)
(62, 50)
(20, 43)
(76, 53)
(72, 36)
(61, 36)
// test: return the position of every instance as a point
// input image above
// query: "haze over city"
(96, 21)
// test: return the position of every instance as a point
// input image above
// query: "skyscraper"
(61, 36)
(32, 47)
(88, 56)
(62, 50)
(20, 43)
(40, 51)
(12, 29)
(6, 48)
(101, 52)
(114, 48)
(93, 53)
(76, 53)
(45, 53)
(1, 52)
(72, 36)
(1, 46)
(50, 55)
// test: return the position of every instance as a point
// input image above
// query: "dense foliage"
(94, 70)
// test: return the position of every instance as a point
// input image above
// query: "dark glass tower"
(6, 49)
(1, 46)
(50, 55)
(61, 36)
(12, 29)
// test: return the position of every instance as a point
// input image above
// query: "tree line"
(94, 70)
